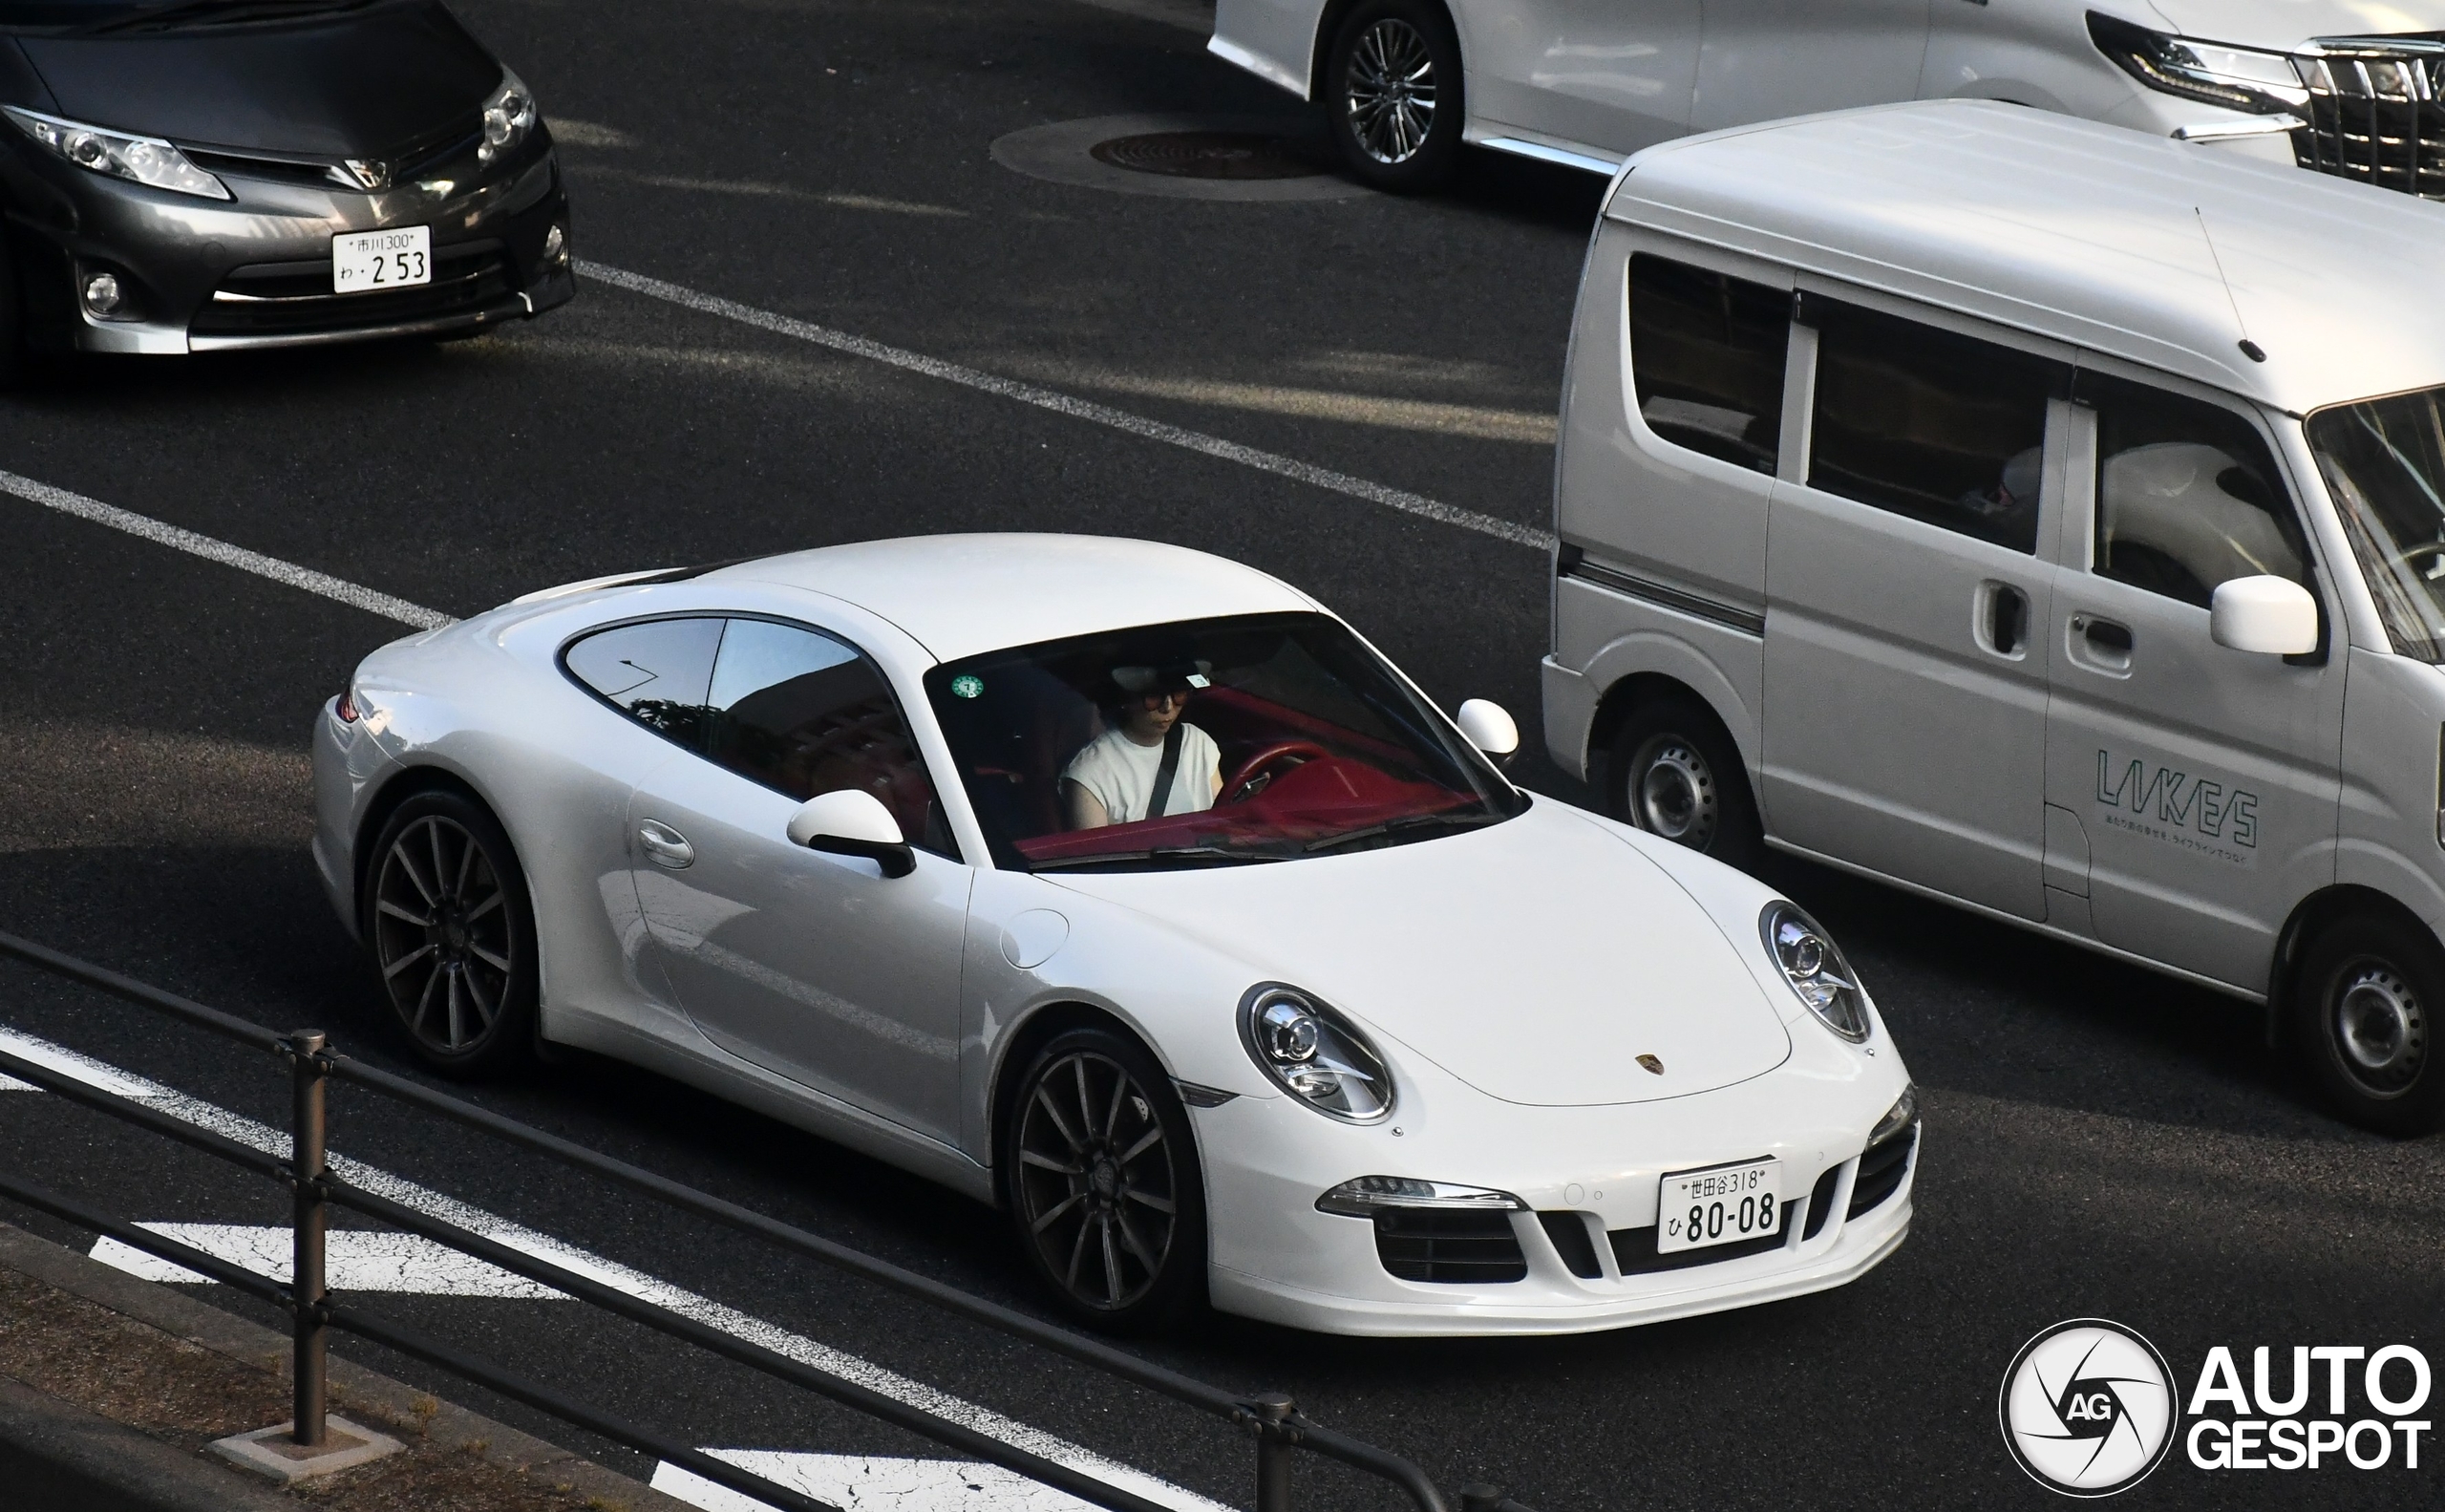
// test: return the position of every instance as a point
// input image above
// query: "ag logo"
(2088, 1408)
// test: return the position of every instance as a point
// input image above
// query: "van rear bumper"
(1570, 710)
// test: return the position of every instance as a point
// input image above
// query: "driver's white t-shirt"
(1120, 773)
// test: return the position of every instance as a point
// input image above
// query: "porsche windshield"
(2384, 464)
(1210, 742)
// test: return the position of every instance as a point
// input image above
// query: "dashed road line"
(868, 1482)
(1059, 403)
(502, 1231)
(211, 549)
(354, 1260)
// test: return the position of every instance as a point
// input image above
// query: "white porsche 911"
(1130, 890)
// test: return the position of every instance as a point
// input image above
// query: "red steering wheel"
(1255, 772)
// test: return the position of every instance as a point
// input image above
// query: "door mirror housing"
(2271, 615)
(1490, 729)
(851, 822)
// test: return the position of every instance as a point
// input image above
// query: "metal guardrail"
(1272, 1418)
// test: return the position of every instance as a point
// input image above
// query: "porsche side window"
(1706, 359)
(1943, 428)
(2187, 494)
(803, 714)
(656, 672)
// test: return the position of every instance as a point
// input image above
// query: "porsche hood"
(1542, 960)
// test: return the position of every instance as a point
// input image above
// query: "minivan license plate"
(1722, 1205)
(365, 261)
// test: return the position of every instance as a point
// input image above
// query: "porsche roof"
(960, 595)
(2161, 252)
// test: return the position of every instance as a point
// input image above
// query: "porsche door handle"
(664, 846)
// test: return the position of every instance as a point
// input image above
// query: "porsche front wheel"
(452, 933)
(1101, 1181)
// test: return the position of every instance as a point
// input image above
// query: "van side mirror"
(2271, 615)
(1490, 729)
(850, 823)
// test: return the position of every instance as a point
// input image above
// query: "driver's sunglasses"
(1157, 698)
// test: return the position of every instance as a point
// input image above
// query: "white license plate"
(1722, 1205)
(398, 257)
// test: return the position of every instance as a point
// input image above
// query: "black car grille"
(296, 299)
(1881, 1168)
(1420, 1244)
(1634, 1248)
(1569, 1233)
(2375, 115)
(1821, 1203)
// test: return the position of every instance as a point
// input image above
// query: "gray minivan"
(2040, 516)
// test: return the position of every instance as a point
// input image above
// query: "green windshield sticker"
(967, 687)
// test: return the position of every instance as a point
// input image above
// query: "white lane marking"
(222, 551)
(502, 1231)
(13, 1085)
(354, 1260)
(757, 188)
(858, 1482)
(1059, 403)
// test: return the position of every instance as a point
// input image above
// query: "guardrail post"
(310, 1333)
(1274, 1411)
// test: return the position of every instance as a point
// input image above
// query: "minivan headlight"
(1315, 1054)
(509, 115)
(1815, 969)
(2212, 72)
(147, 161)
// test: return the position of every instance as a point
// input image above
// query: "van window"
(2187, 494)
(1706, 359)
(2384, 465)
(1943, 428)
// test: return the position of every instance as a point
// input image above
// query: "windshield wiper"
(171, 12)
(1205, 853)
(1393, 826)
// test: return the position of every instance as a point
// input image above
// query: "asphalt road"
(2100, 1142)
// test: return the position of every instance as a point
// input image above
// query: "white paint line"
(1059, 403)
(13, 1085)
(713, 1315)
(210, 549)
(354, 1260)
(858, 1482)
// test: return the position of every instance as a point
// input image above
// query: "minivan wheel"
(1100, 1177)
(1672, 773)
(2365, 1017)
(1393, 93)
(452, 931)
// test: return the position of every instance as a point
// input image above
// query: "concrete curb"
(62, 1441)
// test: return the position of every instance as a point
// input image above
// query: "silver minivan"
(2042, 518)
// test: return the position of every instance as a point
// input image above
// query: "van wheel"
(1672, 772)
(1392, 93)
(2365, 1016)
(450, 928)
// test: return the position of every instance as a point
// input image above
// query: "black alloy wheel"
(1672, 772)
(1101, 1178)
(452, 933)
(1393, 93)
(2365, 1017)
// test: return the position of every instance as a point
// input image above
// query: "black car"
(206, 174)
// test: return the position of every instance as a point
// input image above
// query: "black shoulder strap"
(1164, 773)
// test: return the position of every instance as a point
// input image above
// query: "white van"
(2040, 516)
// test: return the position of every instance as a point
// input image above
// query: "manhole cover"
(1208, 154)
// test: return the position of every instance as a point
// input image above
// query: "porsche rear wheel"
(452, 933)
(1101, 1181)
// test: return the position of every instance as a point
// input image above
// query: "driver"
(1113, 780)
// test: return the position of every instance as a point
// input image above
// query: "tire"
(452, 931)
(1089, 1212)
(1672, 772)
(2364, 1017)
(1392, 93)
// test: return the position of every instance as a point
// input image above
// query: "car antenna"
(2249, 348)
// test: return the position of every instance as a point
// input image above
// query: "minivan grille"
(296, 298)
(2374, 113)
(1424, 1243)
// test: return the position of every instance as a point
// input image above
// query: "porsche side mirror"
(850, 823)
(1490, 729)
(2274, 616)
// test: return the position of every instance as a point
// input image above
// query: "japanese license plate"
(398, 257)
(1722, 1205)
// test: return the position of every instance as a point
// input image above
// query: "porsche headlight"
(2212, 72)
(1815, 970)
(1315, 1054)
(147, 161)
(509, 116)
